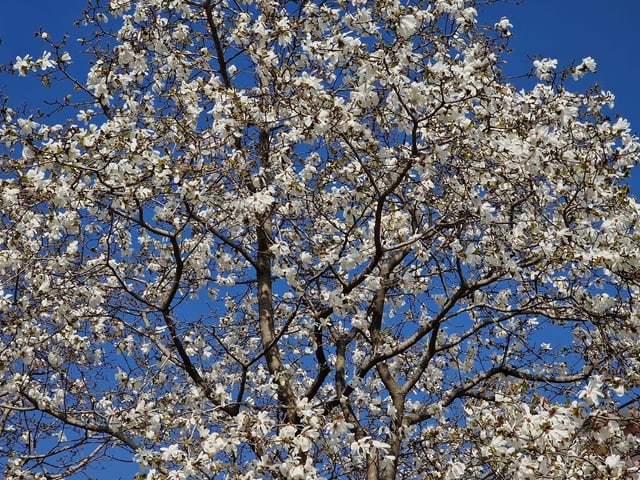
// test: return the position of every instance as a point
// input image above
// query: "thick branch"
(323, 365)
(217, 42)
(266, 321)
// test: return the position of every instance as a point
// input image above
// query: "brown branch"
(70, 420)
(217, 43)
(323, 365)
(467, 389)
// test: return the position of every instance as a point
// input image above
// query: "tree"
(315, 240)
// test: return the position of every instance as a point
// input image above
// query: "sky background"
(568, 30)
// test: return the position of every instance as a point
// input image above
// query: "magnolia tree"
(314, 239)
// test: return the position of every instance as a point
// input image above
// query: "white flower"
(407, 25)
(45, 62)
(503, 27)
(337, 428)
(302, 442)
(212, 444)
(361, 448)
(545, 68)
(593, 391)
(614, 461)
(456, 471)
(23, 64)
(171, 452)
(28, 153)
(588, 64)
(261, 201)
(176, 475)
(294, 472)
(288, 432)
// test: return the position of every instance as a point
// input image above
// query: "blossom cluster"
(315, 240)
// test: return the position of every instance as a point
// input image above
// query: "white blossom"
(330, 239)
(545, 68)
(592, 392)
(23, 64)
(504, 27)
(407, 25)
(588, 64)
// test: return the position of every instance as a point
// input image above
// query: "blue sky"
(564, 29)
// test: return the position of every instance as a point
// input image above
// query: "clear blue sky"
(564, 29)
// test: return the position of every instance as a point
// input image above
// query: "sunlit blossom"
(321, 240)
(592, 392)
(545, 68)
(23, 64)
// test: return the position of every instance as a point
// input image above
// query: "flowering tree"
(315, 239)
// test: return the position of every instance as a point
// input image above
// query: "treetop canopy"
(315, 239)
